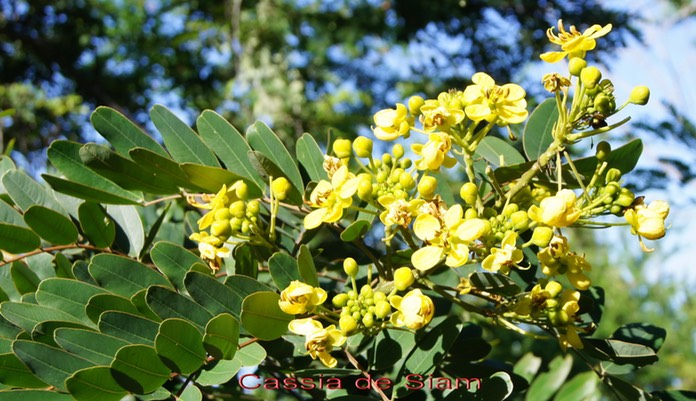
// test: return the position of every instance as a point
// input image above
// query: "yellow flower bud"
(350, 266)
(362, 146)
(406, 181)
(280, 188)
(341, 148)
(469, 193)
(364, 189)
(557, 211)
(382, 309)
(220, 228)
(222, 214)
(648, 221)
(575, 65)
(241, 190)
(602, 103)
(613, 175)
(403, 278)
(414, 104)
(553, 288)
(639, 95)
(368, 320)
(590, 77)
(398, 151)
(542, 236)
(299, 298)
(340, 300)
(520, 220)
(414, 310)
(427, 186)
(347, 324)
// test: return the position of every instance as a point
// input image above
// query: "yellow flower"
(568, 333)
(573, 43)
(441, 114)
(435, 152)
(648, 221)
(447, 237)
(392, 123)
(331, 198)
(211, 248)
(398, 211)
(500, 104)
(414, 310)
(556, 211)
(505, 256)
(222, 199)
(299, 298)
(320, 340)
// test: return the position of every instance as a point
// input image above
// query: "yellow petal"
(304, 327)
(426, 227)
(553, 57)
(327, 359)
(427, 257)
(453, 216)
(470, 230)
(314, 219)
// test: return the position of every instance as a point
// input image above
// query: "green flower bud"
(603, 150)
(406, 181)
(382, 309)
(347, 324)
(362, 146)
(510, 209)
(341, 148)
(414, 104)
(542, 236)
(612, 188)
(245, 226)
(366, 291)
(395, 175)
(602, 103)
(615, 210)
(352, 294)
(575, 66)
(238, 209)
(551, 304)
(253, 206)
(235, 224)
(280, 187)
(387, 159)
(625, 198)
(427, 186)
(470, 214)
(613, 175)
(340, 300)
(403, 278)
(350, 266)
(405, 163)
(220, 228)
(520, 220)
(242, 190)
(379, 296)
(590, 77)
(356, 316)
(469, 193)
(398, 151)
(639, 95)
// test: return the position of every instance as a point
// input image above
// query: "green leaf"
(432, 348)
(131, 328)
(355, 230)
(494, 283)
(547, 383)
(174, 261)
(312, 158)
(50, 225)
(170, 304)
(222, 336)
(675, 395)
(624, 158)
(70, 296)
(26, 192)
(33, 395)
(138, 369)
(283, 269)
(538, 132)
(140, 302)
(122, 171)
(262, 139)
(129, 226)
(494, 149)
(154, 230)
(65, 156)
(242, 286)
(220, 373)
(24, 279)
(620, 352)
(262, 317)
(14, 373)
(496, 387)
(527, 366)
(267, 168)
(95, 384)
(392, 348)
(626, 391)
(211, 294)
(641, 333)
(51, 365)
(227, 143)
(582, 386)
(191, 393)
(96, 224)
(180, 346)
(10, 215)
(122, 133)
(251, 354)
(27, 316)
(245, 261)
(305, 263)
(96, 347)
(123, 276)
(164, 168)
(182, 142)
(16, 239)
(101, 303)
(88, 193)
(211, 179)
